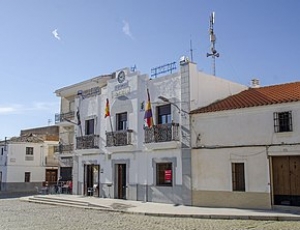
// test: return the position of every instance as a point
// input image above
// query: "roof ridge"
(252, 97)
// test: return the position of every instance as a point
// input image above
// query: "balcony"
(87, 142)
(62, 116)
(64, 149)
(118, 138)
(51, 161)
(162, 133)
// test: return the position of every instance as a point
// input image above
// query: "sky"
(47, 45)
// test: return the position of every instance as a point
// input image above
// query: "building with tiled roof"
(253, 97)
(28, 161)
(246, 149)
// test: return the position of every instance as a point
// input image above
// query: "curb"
(88, 205)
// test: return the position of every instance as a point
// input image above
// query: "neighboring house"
(116, 155)
(246, 149)
(50, 136)
(26, 162)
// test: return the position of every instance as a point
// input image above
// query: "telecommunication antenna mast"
(191, 50)
(212, 37)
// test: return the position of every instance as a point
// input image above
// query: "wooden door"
(121, 181)
(295, 175)
(286, 180)
(51, 176)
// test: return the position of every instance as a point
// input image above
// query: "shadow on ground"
(15, 195)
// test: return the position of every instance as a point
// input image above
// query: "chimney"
(255, 83)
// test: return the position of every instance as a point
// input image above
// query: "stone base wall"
(20, 187)
(255, 200)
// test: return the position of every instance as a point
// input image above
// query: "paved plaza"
(16, 214)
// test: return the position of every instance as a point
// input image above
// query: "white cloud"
(5, 110)
(34, 107)
(55, 34)
(126, 29)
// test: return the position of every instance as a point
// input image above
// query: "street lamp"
(172, 103)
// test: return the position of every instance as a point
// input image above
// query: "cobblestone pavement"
(15, 214)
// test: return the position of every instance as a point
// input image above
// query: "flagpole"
(107, 114)
(111, 126)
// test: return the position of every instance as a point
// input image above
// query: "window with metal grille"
(27, 177)
(283, 122)
(238, 177)
(89, 127)
(164, 174)
(121, 121)
(164, 114)
(29, 151)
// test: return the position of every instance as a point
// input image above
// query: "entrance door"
(51, 176)
(91, 180)
(286, 182)
(0, 180)
(121, 181)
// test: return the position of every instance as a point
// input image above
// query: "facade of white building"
(246, 149)
(118, 156)
(25, 163)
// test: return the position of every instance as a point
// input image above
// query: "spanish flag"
(148, 112)
(107, 113)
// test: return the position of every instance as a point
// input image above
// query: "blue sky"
(255, 39)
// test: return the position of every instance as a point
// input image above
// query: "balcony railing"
(60, 117)
(87, 142)
(162, 133)
(62, 148)
(118, 138)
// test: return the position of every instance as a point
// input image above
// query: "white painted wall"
(205, 88)
(17, 165)
(211, 165)
(243, 126)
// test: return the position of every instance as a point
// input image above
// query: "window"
(29, 151)
(164, 175)
(121, 121)
(27, 177)
(283, 122)
(164, 114)
(89, 127)
(2, 151)
(238, 177)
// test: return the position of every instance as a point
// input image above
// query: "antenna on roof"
(191, 50)
(212, 37)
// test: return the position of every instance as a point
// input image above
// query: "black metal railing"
(62, 148)
(59, 117)
(118, 138)
(162, 133)
(87, 142)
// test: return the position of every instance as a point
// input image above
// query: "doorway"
(120, 181)
(286, 183)
(91, 180)
(0, 180)
(51, 176)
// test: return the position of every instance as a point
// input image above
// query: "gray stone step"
(64, 202)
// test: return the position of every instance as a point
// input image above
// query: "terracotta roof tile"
(252, 97)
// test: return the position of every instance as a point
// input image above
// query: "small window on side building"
(29, 151)
(283, 122)
(238, 177)
(27, 177)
